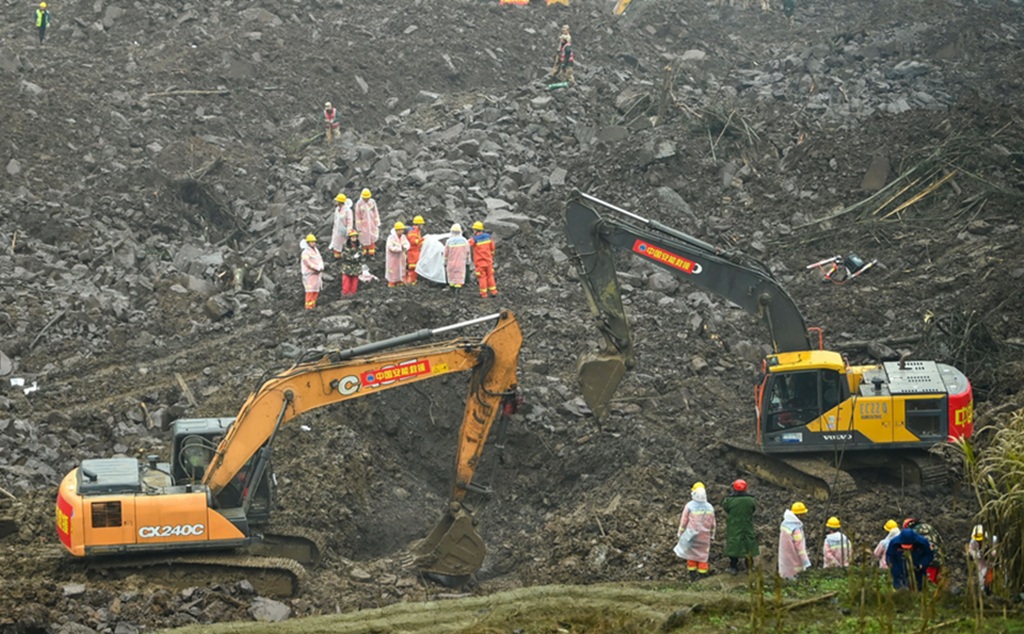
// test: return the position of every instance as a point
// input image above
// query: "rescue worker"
(397, 247)
(367, 222)
(415, 236)
(836, 550)
(788, 9)
(908, 551)
(331, 123)
(456, 254)
(934, 567)
(342, 224)
(982, 552)
(893, 530)
(696, 531)
(564, 59)
(793, 557)
(42, 21)
(740, 538)
(312, 267)
(483, 259)
(351, 264)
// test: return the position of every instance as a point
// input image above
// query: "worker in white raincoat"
(696, 531)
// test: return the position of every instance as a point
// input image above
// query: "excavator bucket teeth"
(453, 549)
(600, 375)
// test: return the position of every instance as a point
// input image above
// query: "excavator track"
(817, 478)
(270, 576)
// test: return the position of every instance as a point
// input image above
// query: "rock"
(506, 224)
(360, 575)
(219, 307)
(662, 282)
(698, 364)
(612, 134)
(74, 589)
(6, 365)
(557, 177)
(881, 352)
(672, 203)
(13, 167)
(9, 61)
(33, 89)
(268, 610)
(693, 55)
(877, 175)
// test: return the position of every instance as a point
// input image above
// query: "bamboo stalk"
(811, 601)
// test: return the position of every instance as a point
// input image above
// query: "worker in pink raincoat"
(395, 260)
(456, 254)
(836, 549)
(312, 266)
(793, 557)
(696, 531)
(893, 530)
(367, 222)
(342, 224)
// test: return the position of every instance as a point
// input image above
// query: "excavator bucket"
(600, 375)
(453, 549)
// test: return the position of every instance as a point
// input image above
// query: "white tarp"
(431, 262)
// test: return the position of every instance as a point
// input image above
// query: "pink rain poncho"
(456, 254)
(367, 222)
(342, 225)
(836, 551)
(395, 258)
(882, 546)
(696, 528)
(793, 557)
(312, 266)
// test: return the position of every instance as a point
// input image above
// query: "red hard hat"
(909, 522)
(740, 485)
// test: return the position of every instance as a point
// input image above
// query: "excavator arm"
(453, 549)
(736, 277)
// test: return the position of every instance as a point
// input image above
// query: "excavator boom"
(734, 276)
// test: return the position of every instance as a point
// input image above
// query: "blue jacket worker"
(908, 549)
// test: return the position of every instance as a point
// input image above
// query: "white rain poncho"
(431, 263)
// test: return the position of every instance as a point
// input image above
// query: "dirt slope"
(149, 149)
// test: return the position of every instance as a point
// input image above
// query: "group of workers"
(911, 553)
(354, 237)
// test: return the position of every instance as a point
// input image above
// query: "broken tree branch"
(186, 390)
(7, 493)
(46, 327)
(806, 602)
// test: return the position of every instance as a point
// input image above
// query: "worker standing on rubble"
(893, 530)
(331, 123)
(397, 247)
(456, 252)
(981, 551)
(740, 537)
(42, 21)
(793, 557)
(836, 550)
(342, 224)
(367, 222)
(696, 532)
(483, 259)
(564, 59)
(351, 264)
(415, 236)
(312, 268)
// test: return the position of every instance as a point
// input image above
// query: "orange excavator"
(814, 411)
(217, 491)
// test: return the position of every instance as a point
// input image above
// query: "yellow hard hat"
(418, 220)
(833, 522)
(399, 225)
(352, 232)
(341, 198)
(696, 485)
(799, 508)
(978, 534)
(42, 5)
(366, 193)
(478, 226)
(891, 524)
(311, 238)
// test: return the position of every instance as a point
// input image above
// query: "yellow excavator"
(812, 407)
(217, 491)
